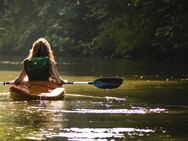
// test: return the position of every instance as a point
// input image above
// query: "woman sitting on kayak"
(40, 64)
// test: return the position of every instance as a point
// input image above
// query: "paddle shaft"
(103, 83)
(4, 83)
(80, 82)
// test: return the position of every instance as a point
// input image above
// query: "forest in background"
(147, 29)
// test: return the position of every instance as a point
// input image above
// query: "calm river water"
(151, 104)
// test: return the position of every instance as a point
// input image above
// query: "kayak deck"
(37, 90)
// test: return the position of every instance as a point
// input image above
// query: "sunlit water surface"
(148, 106)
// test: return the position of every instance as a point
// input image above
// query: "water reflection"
(97, 133)
(133, 110)
(11, 62)
(4, 96)
(150, 105)
(119, 67)
(72, 119)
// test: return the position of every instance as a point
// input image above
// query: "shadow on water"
(151, 104)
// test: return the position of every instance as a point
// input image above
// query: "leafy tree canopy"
(112, 28)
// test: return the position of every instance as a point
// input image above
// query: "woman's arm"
(55, 74)
(21, 77)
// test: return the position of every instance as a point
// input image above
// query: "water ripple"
(96, 133)
(137, 110)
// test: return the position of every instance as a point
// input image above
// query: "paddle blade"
(108, 83)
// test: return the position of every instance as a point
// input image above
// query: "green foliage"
(110, 28)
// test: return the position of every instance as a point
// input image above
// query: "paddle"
(4, 83)
(103, 83)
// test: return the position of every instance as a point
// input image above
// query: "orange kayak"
(37, 90)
